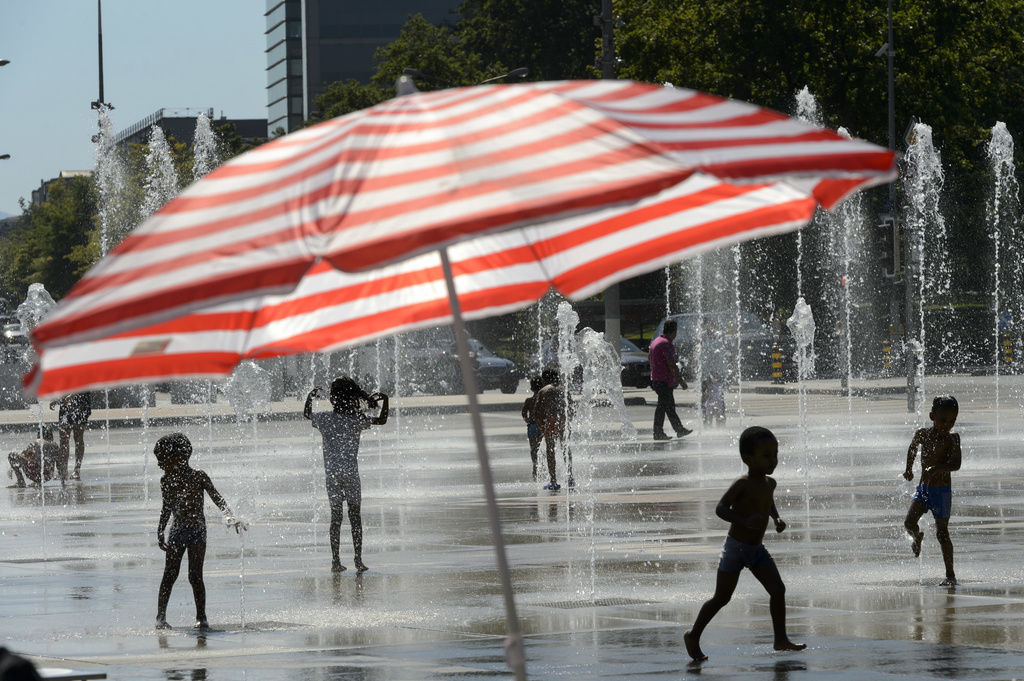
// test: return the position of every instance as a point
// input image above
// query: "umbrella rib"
(514, 642)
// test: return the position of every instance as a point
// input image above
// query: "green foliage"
(555, 39)
(54, 242)
(958, 69)
(345, 97)
(229, 142)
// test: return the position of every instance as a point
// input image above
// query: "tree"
(555, 39)
(54, 242)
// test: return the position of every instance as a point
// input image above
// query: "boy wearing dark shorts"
(940, 456)
(182, 488)
(746, 506)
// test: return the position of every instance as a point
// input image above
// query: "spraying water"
(801, 325)
(110, 182)
(602, 376)
(161, 177)
(926, 234)
(806, 111)
(850, 219)
(206, 155)
(1003, 209)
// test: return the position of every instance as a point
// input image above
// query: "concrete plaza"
(607, 576)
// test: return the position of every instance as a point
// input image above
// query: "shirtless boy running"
(940, 456)
(746, 506)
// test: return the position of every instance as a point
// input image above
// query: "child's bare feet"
(949, 581)
(915, 543)
(786, 644)
(361, 567)
(336, 566)
(693, 647)
(161, 623)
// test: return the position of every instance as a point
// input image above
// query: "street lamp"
(4, 62)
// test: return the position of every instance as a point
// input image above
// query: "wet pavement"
(607, 576)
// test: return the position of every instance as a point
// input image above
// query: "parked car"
(14, 333)
(427, 361)
(493, 372)
(757, 344)
(636, 369)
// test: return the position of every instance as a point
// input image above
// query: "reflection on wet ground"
(607, 576)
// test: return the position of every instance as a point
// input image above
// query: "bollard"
(1007, 351)
(777, 364)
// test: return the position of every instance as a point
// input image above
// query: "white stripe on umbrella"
(494, 274)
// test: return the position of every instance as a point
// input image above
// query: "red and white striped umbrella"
(423, 171)
(313, 241)
(493, 274)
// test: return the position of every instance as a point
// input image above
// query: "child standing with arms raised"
(746, 506)
(182, 488)
(341, 430)
(940, 456)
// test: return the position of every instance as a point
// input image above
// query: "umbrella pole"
(514, 654)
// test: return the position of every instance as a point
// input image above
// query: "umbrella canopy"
(493, 274)
(422, 171)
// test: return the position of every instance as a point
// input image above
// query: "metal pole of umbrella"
(514, 653)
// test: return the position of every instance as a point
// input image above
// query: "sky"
(196, 54)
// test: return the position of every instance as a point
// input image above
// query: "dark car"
(636, 369)
(756, 342)
(493, 372)
(427, 361)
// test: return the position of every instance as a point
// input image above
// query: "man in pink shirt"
(664, 378)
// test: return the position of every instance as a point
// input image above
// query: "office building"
(312, 43)
(181, 124)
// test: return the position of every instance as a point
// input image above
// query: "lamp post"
(4, 62)
(607, 62)
(100, 104)
(889, 52)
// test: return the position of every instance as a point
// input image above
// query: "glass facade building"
(312, 43)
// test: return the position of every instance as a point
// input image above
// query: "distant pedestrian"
(72, 418)
(182, 488)
(533, 432)
(665, 377)
(341, 429)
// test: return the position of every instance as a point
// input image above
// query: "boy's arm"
(915, 442)
(725, 510)
(381, 419)
(780, 525)
(527, 409)
(307, 410)
(222, 504)
(165, 515)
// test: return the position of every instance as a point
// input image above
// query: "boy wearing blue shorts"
(940, 456)
(746, 506)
